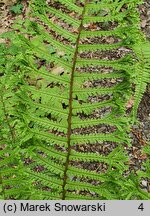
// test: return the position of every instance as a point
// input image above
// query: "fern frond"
(94, 47)
(58, 87)
(71, 6)
(142, 76)
(63, 16)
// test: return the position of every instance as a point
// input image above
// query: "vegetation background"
(12, 10)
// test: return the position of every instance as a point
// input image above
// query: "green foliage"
(142, 75)
(55, 118)
(16, 9)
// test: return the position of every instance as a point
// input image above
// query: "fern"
(142, 76)
(46, 92)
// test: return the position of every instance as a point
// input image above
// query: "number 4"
(141, 207)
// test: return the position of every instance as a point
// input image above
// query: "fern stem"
(70, 106)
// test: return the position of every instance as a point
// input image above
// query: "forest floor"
(141, 132)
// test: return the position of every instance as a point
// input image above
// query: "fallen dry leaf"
(57, 70)
(130, 103)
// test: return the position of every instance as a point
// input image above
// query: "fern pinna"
(64, 101)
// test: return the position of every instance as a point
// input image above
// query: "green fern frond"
(142, 76)
(63, 99)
